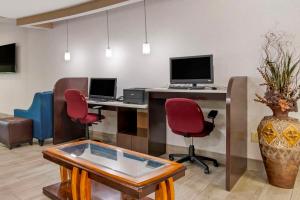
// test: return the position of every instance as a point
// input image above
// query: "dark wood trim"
(157, 125)
(236, 130)
(190, 95)
(64, 128)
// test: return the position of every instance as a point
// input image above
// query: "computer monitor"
(191, 70)
(103, 88)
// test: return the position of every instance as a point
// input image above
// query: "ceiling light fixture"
(146, 45)
(67, 53)
(108, 51)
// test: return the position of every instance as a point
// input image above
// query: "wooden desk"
(145, 131)
(117, 104)
(236, 122)
(130, 175)
(132, 124)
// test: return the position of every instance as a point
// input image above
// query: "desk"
(132, 124)
(144, 129)
(117, 104)
(236, 122)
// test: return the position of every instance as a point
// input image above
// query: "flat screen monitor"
(103, 88)
(8, 58)
(191, 70)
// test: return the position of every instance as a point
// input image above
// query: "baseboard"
(255, 165)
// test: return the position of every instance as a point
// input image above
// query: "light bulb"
(146, 48)
(67, 56)
(108, 52)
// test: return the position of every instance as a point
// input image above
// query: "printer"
(135, 96)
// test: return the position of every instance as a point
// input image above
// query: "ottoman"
(15, 131)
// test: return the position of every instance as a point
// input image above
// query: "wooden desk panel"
(236, 130)
(64, 128)
(117, 104)
(236, 122)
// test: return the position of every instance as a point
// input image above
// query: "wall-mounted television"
(8, 58)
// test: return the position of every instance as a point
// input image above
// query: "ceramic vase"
(279, 141)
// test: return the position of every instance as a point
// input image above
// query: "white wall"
(14, 86)
(231, 30)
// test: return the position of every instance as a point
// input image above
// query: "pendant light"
(67, 52)
(108, 51)
(146, 45)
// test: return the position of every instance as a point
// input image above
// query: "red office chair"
(77, 109)
(185, 118)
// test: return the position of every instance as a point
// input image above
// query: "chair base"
(87, 131)
(192, 157)
(41, 142)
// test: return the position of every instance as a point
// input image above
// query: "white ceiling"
(22, 8)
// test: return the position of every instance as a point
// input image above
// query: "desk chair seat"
(185, 118)
(90, 118)
(77, 110)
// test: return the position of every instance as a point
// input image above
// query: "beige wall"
(14, 86)
(231, 30)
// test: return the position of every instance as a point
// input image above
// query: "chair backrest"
(77, 107)
(41, 113)
(184, 116)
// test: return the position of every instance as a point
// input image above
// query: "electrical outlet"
(254, 137)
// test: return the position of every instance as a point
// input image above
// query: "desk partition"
(236, 130)
(236, 122)
(64, 128)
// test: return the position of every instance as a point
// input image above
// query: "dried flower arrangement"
(280, 70)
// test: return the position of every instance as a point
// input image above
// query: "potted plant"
(279, 134)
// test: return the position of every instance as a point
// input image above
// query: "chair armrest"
(97, 107)
(212, 115)
(99, 112)
(20, 113)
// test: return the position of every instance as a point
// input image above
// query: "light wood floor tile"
(24, 172)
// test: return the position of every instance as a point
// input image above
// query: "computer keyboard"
(179, 87)
(189, 87)
(99, 100)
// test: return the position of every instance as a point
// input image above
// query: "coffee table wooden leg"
(170, 189)
(85, 186)
(63, 174)
(75, 180)
(161, 192)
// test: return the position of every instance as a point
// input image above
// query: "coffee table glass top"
(114, 159)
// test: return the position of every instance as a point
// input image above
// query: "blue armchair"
(41, 112)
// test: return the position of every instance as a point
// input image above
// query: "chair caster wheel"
(206, 171)
(41, 142)
(171, 157)
(216, 164)
(192, 160)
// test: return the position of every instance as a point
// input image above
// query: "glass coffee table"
(93, 170)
